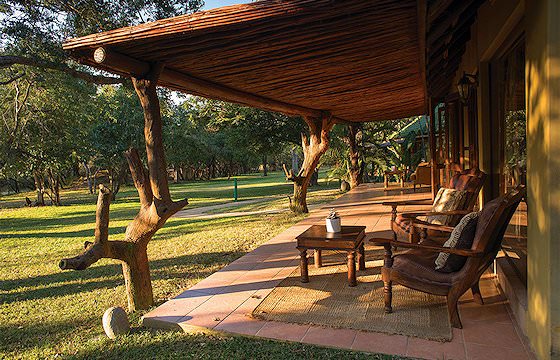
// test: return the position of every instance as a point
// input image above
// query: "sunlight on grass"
(45, 312)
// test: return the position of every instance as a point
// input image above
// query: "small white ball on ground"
(115, 322)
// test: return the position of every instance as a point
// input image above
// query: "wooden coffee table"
(350, 239)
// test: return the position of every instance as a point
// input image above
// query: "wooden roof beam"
(436, 9)
(136, 68)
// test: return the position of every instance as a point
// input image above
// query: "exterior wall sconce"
(465, 84)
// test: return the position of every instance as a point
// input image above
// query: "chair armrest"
(408, 202)
(413, 215)
(419, 224)
(430, 248)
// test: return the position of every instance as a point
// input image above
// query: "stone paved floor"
(221, 301)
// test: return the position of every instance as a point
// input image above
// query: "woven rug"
(327, 300)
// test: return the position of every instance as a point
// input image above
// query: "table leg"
(352, 268)
(361, 257)
(318, 260)
(303, 266)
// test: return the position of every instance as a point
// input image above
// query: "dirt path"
(203, 212)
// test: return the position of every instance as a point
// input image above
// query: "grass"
(48, 313)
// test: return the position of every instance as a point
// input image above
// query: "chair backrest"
(424, 173)
(470, 180)
(492, 225)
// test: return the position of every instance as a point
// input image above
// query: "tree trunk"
(54, 184)
(299, 203)
(265, 165)
(314, 146)
(88, 177)
(14, 185)
(39, 189)
(137, 280)
(156, 206)
(355, 168)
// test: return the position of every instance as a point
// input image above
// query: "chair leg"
(453, 311)
(386, 276)
(477, 296)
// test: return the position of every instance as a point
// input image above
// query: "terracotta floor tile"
(426, 349)
(240, 324)
(216, 309)
(380, 343)
(492, 334)
(340, 338)
(491, 313)
(484, 352)
(181, 305)
(283, 331)
(162, 322)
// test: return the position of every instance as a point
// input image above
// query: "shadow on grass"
(72, 218)
(63, 282)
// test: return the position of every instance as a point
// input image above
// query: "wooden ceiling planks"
(357, 59)
(449, 29)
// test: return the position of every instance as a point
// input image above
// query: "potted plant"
(333, 222)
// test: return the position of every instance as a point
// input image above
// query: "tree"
(40, 135)
(355, 152)
(262, 133)
(117, 128)
(156, 206)
(314, 143)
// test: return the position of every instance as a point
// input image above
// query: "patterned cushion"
(461, 237)
(447, 200)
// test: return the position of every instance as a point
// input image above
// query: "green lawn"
(48, 313)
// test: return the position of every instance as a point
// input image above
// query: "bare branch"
(100, 248)
(139, 176)
(9, 60)
(289, 174)
(11, 80)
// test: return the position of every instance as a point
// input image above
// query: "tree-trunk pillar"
(265, 164)
(314, 146)
(156, 206)
(136, 271)
(299, 203)
(355, 169)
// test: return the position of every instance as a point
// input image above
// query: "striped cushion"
(461, 237)
(447, 200)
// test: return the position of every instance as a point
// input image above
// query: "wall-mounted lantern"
(465, 85)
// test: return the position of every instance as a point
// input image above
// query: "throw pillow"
(461, 237)
(447, 200)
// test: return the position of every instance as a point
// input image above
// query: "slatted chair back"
(492, 225)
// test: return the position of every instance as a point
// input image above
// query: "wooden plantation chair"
(415, 268)
(422, 175)
(402, 225)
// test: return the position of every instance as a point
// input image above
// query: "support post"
(433, 150)
(314, 144)
(156, 206)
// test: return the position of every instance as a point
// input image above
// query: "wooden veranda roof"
(360, 60)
